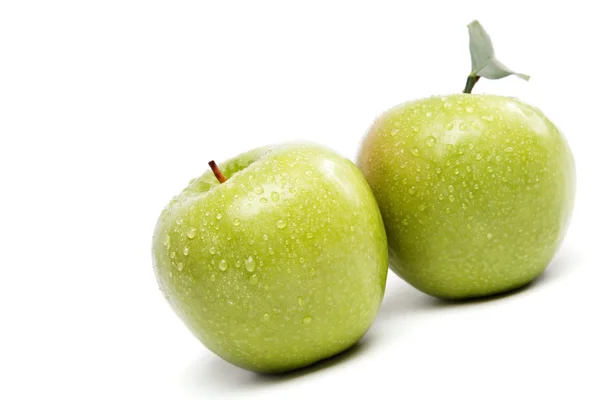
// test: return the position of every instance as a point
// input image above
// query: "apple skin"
(282, 265)
(475, 191)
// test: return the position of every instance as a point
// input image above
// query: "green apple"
(475, 190)
(281, 265)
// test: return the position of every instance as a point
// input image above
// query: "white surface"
(108, 108)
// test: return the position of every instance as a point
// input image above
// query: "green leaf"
(483, 58)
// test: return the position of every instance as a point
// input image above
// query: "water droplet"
(179, 266)
(186, 251)
(462, 126)
(254, 279)
(352, 229)
(213, 277)
(456, 171)
(264, 200)
(178, 221)
(469, 109)
(469, 227)
(441, 196)
(266, 317)
(489, 236)
(415, 128)
(236, 222)
(191, 233)
(172, 255)
(478, 156)
(404, 165)
(212, 250)
(404, 181)
(312, 272)
(468, 168)
(476, 186)
(309, 235)
(307, 320)
(422, 207)
(449, 126)
(281, 224)
(447, 211)
(430, 141)
(259, 190)
(300, 301)
(415, 152)
(219, 216)
(167, 240)
(238, 264)
(490, 169)
(394, 132)
(438, 170)
(266, 237)
(405, 222)
(223, 265)
(275, 196)
(451, 198)
(464, 206)
(450, 188)
(250, 264)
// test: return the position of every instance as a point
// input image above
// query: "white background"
(108, 108)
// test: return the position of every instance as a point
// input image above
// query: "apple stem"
(218, 174)
(483, 58)
(471, 81)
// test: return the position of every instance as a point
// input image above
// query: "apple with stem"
(276, 260)
(475, 190)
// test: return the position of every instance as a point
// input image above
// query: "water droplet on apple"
(490, 169)
(238, 264)
(352, 229)
(212, 250)
(312, 272)
(414, 151)
(450, 188)
(250, 264)
(281, 224)
(309, 235)
(438, 170)
(179, 266)
(469, 109)
(307, 320)
(415, 128)
(186, 251)
(172, 255)
(191, 233)
(478, 156)
(441, 196)
(447, 210)
(462, 126)
(412, 190)
(405, 222)
(275, 196)
(167, 240)
(469, 169)
(213, 277)
(451, 198)
(422, 207)
(254, 279)
(404, 165)
(456, 171)
(264, 200)
(430, 141)
(266, 317)
(300, 301)
(464, 206)
(236, 222)
(449, 126)
(223, 265)
(258, 190)
(178, 221)
(489, 236)
(266, 237)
